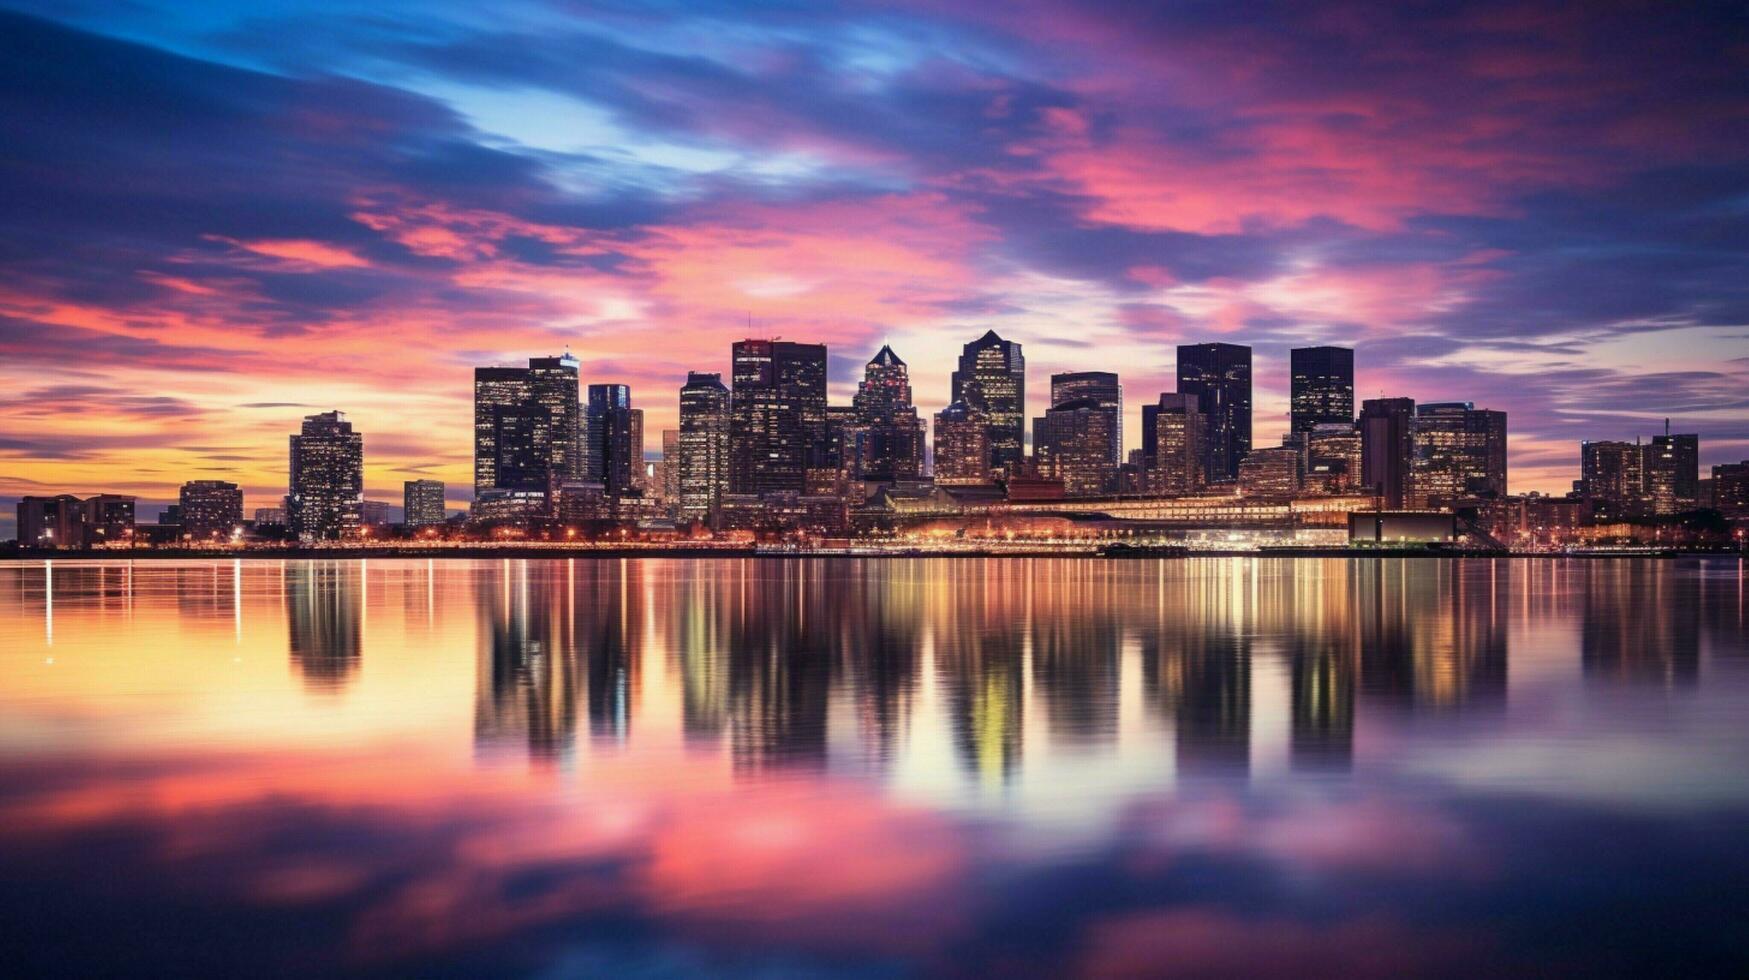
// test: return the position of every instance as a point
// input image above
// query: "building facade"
(1460, 454)
(962, 446)
(777, 415)
(422, 503)
(891, 447)
(1220, 376)
(1180, 432)
(527, 425)
(1612, 478)
(704, 445)
(1387, 449)
(326, 495)
(613, 440)
(1672, 473)
(1072, 443)
(1321, 387)
(1103, 390)
(1273, 473)
(991, 378)
(211, 509)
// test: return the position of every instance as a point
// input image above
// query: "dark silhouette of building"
(1321, 390)
(527, 425)
(1103, 390)
(422, 503)
(614, 439)
(777, 415)
(992, 379)
(704, 445)
(894, 433)
(1220, 376)
(1460, 453)
(326, 497)
(1387, 448)
(211, 509)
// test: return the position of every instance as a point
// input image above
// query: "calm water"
(784, 768)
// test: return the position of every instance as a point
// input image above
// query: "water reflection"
(904, 765)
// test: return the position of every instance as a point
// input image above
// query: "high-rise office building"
(552, 383)
(962, 446)
(527, 425)
(991, 379)
(1460, 452)
(211, 509)
(1101, 388)
(1072, 443)
(1180, 433)
(1612, 478)
(704, 445)
(1321, 391)
(1387, 449)
(326, 496)
(894, 433)
(777, 415)
(1220, 376)
(1731, 489)
(1672, 472)
(422, 503)
(613, 440)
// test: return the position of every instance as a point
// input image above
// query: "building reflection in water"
(757, 653)
(802, 663)
(1635, 631)
(324, 612)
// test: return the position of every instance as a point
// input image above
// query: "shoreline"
(482, 552)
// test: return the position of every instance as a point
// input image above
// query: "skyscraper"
(777, 414)
(1612, 478)
(962, 446)
(327, 479)
(883, 405)
(704, 445)
(1731, 489)
(527, 428)
(1387, 449)
(1220, 376)
(422, 503)
(210, 509)
(1672, 471)
(1180, 434)
(552, 383)
(992, 379)
(1100, 387)
(1072, 443)
(1322, 387)
(614, 439)
(1460, 451)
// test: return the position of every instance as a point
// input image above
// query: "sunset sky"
(218, 217)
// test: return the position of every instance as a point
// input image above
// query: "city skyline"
(544, 409)
(356, 224)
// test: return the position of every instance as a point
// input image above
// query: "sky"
(216, 218)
